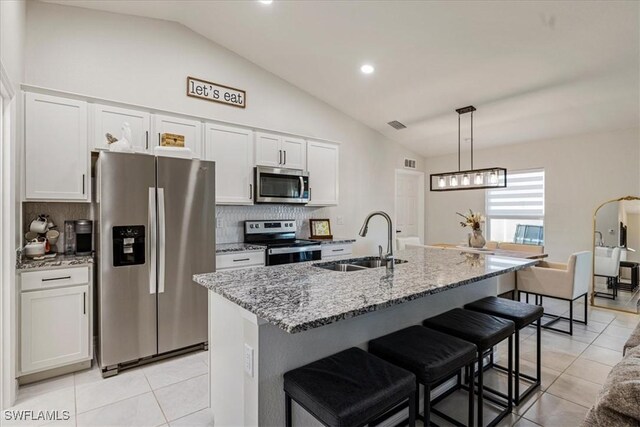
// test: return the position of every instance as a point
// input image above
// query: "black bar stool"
(433, 357)
(484, 331)
(350, 388)
(523, 315)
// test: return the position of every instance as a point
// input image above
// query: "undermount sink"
(356, 264)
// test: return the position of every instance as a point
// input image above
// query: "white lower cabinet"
(55, 325)
(237, 260)
(336, 250)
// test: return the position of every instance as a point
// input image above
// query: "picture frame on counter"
(320, 229)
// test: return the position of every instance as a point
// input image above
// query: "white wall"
(146, 61)
(580, 173)
(12, 42)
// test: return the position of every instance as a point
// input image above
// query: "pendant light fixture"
(472, 179)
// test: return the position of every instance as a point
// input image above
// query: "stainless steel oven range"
(279, 236)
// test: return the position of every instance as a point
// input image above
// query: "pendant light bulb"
(465, 179)
(479, 179)
(441, 182)
(453, 181)
(493, 178)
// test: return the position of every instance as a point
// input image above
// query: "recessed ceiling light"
(367, 69)
(266, 1)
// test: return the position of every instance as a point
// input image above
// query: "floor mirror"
(616, 255)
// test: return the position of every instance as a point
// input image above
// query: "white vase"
(476, 240)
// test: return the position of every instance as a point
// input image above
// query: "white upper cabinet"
(232, 150)
(268, 151)
(294, 152)
(108, 119)
(56, 157)
(323, 166)
(280, 151)
(190, 129)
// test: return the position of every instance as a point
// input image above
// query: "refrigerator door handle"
(152, 240)
(161, 240)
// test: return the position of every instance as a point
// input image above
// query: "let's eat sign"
(215, 92)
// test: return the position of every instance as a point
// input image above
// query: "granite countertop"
(298, 297)
(23, 263)
(238, 247)
(334, 241)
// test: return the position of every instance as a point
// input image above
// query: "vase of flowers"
(473, 220)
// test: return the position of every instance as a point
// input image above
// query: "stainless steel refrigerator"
(155, 230)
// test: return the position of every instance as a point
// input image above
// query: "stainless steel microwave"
(281, 185)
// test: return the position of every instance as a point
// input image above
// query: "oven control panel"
(270, 227)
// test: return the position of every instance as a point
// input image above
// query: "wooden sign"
(172, 140)
(215, 92)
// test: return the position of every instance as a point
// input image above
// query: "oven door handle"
(294, 250)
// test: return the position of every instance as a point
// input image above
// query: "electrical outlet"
(218, 222)
(340, 220)
(248, 360)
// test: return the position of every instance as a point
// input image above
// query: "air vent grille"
(409, 163)
(397, 125)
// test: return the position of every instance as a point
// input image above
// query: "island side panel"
(280, 351)
(233, 393)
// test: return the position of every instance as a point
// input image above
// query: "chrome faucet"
(388, 258)
(600, 241)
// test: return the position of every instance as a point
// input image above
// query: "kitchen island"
(268, 320)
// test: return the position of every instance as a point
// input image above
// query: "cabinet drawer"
(239, 260)
(336, 250)
(44, 279)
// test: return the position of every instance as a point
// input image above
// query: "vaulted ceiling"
(534, 70)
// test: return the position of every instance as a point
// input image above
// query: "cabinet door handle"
(285, 157)
(337, 250)
(241, 259)
(279, 157)
(250, 191)
(146, 139)
(56, 278)
(83, 183)
(84, 303)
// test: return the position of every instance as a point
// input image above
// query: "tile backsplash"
(230, 219)
(231, 226)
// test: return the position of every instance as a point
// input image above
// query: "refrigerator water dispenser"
(128, 245)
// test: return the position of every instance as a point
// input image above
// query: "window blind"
(522, 198)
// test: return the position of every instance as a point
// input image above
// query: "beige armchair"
(607, 264)
(566, 282)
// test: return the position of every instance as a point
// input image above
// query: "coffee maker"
(84, 236)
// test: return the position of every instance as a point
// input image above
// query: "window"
(516, 213)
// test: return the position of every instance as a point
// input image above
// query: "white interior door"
(410, 204)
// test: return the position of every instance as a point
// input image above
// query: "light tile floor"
(174, 392)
